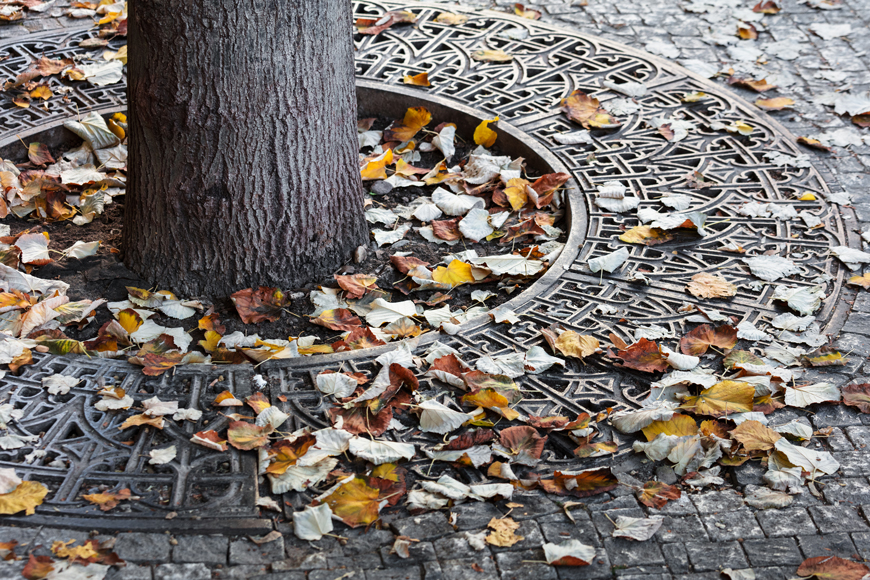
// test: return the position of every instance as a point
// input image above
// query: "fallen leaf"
(857, 395)
(656, 494)
(759, 86)
(356, 285)
(485, 136)
(451, 19)
(338, 319)
(415, 119)
(774, 104)
(491, 56)
(503, 532)
(704, 285)
(209, 439)
(263, 304)
(755, 436)
(246, 436)
(25, 497)
(646, 235)
(698, 340)
(524, 12)
(832, 568)
(568, 553)
(586, 110)
(455, 274)
(108, 500)
(417, 80)
(678, 425)
(644, 355)
(355, 502)
(640, 529)
(722, 399)
(37, 567)
(581, 483)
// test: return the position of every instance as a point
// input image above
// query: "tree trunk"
(242, 138)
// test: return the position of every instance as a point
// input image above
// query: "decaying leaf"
(705, 285)
(586, 110)
(722, 399)
(503, 532)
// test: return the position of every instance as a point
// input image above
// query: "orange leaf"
(209, 439)
(583, 109)
(356, 285)
(545, 186)
(246, 436)
(581, 484)
(485, 136)
(355, 502)
(643, 355)
(418, 80)
(107, 500)
(258, 402)
(415, 119)
(656, 494)
(523, 441)
(37, 567)
(287, 453)
(226, 399)
(143, 419)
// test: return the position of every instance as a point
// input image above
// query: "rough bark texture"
(242, 138)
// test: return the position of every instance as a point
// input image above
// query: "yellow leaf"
(129, 320)
(485, 136)
(576, 345)
(863, 281)
(355, 502)
(807, 197)
(491, 56)
(722, 399)
(679, 425)
(377, 167)
(456, 274)
(774, 104)
(646, 235)
(418, 80)
(451, 19)
(415, 119)
(121, 54)
(143, 419)
(25, 497)
(41, 92)
(212, 338)
(755, 436)
(516, 194)
(106, 501)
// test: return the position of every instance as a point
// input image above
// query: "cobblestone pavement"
(704, 531)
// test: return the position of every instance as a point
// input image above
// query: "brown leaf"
(258, 305)
(759, 86)
(356, 285)
(856, 395)
(581, 484)
(766, 7)
(447, 229)
(704, 285)
(405, 263)
(39, 154)
(546, 185)
(523, 441)
(643, 355)
(37, 567)
(108, 500)
(246, 436)
(755, 436)
(373, 26)
(832, 568)
(209, 439)
(142, 419)
(361, 421)
(813, 144)
(697, 341)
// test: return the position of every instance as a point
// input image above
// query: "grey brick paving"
(702, 532)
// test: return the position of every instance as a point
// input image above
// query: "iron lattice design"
(84, 447)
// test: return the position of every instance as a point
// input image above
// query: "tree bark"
(242, 143)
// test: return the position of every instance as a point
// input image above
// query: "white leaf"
(788, 321)
(630, 88)
(384, 312)
(475, 225)
(113, 404)
(659, 448)
(537, 360)
(636, 419)
(299, 477)
(379, 215)
(438, 418)
(481, 295)
(478, 455)
(448, 487)
(444, 141)
(574, 138)
(796, 429)
(784, 160)
(8, 480)
(427, 212)
(482, 168)
(102, 74)
(369, 138)
(81, 175)
(187, 415)
(81, 250)
(313, 522)
(510, 365)
(677, 201)
(746, 330)
(428, 234)
(161, 456)
(337, 384)
(330, 443)
(509, 264)
(154, 407)
(805, 395)
(687, 455)
(59, 384)
(664, 49)
(771, 268)
(640, 529)
(573, 549)
(609, 262)
(383, 237)
(454, 205)
(851, 257)
(379, 452)
(764, 498)
(272, 417)
(419, 499)
(679, 361)
(812, 461)
(617, 205)
(484, 491)
(803, 300)
(93, 129)
(34, 247)
(831, 31)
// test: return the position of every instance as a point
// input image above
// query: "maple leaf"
(338, 319)
(37, 567)
(644, 355)
(246, 436)
(25, 497)
(857, 395)
(697, 341)
(722, 399)
(586, 110)
(108, 500)
(356, 285)
(833, 568)
(704, 285)
(355, 502)
(656, 494)
(259, 305)
(415, 119)
(755, 436)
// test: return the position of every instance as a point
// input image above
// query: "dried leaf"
(755, 436)
(704, 285)
(656, 494)
(586, 110)
(503, 532)
(832, 568)
(25, 497)
(722, 399)
(263, 304)
(697, 341)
